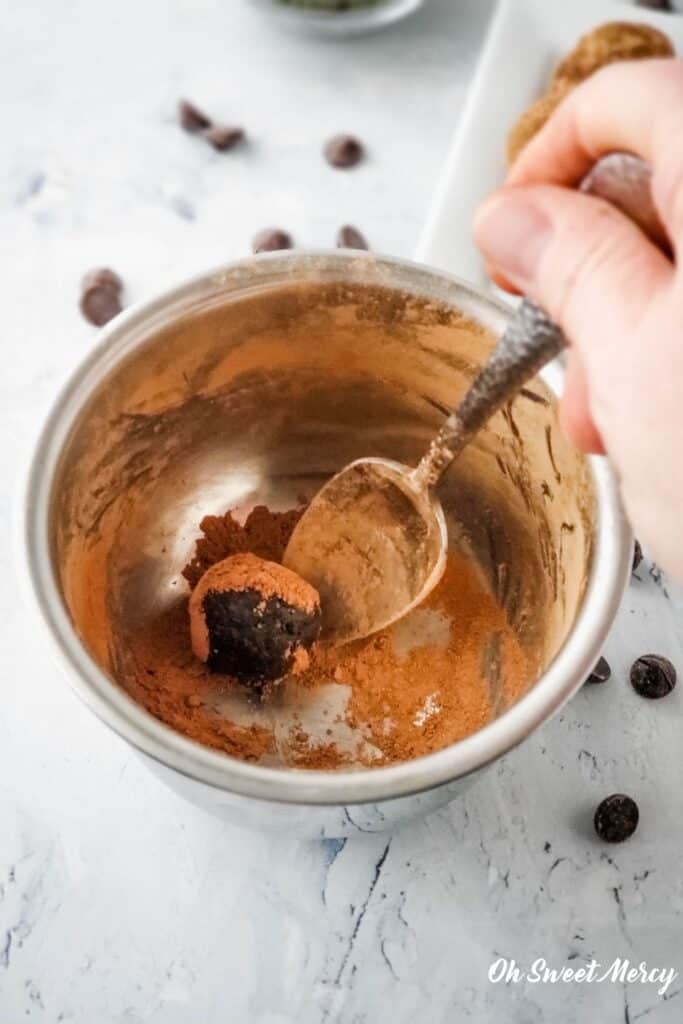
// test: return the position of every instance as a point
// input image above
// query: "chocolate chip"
(101, 276)
(350, 238)
(653, 676)
(100, 296)
(270, 240)
(343, 151)
(223, 137)
(100, 305)
(616, 818)
(637, 555)
(192, 119)
(601, 672)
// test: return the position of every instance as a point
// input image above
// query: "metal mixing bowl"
(253, 384)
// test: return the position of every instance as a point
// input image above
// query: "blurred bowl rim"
(351, 22)
(609, 574)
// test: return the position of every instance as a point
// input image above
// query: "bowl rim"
(609, 574)
(352, 22)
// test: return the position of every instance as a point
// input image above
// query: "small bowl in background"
(336, 17)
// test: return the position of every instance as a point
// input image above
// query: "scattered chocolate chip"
(653, 676)
(655, 5)
(616, 818)
(223, 137)
(101, 276)
(350, 238)
(100, 296)
(637, 555)
(270, 240)
(343, 151)
(192, 119)
(100, 305)
(601, 672)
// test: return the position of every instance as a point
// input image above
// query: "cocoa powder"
(424, 683)
(264, 533)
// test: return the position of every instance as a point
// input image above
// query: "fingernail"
(512, 232)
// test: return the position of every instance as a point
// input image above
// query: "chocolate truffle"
(253, 619)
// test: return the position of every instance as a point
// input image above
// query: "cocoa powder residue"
(424, 696)
(264, 533)
(424, 683)
(248, 571)
(160, 671)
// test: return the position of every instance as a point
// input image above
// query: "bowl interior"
(258, 385)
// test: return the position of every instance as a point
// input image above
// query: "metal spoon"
(373, 541)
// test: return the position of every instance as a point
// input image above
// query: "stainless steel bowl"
(254, 383)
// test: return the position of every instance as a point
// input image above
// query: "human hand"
(618, 297)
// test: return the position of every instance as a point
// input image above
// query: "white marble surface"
(119, 902)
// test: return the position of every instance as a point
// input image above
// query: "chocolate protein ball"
(614, 41)
(253, 619)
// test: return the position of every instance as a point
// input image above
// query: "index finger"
(635, 107)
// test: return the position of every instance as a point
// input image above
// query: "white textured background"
(118, 901)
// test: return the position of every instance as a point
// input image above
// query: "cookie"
(533, 119)
(617, 40)
(614, 41)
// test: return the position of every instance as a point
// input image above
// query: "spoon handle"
(531, 339)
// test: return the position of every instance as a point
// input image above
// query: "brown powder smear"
(264, 533)
(434, 694)
(248, 571)
(423, 684)
(163, 675)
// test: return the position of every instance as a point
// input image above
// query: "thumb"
(575, 415)
(579, 257)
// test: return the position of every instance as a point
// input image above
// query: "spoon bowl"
(373, 540)
(373, 543)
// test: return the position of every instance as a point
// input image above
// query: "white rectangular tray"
(525, 41)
